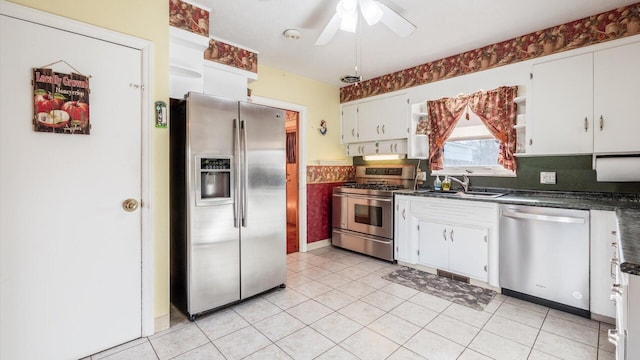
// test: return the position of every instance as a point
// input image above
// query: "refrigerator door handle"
(236, 173)
(245, 171)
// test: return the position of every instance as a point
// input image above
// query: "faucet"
(464, 182)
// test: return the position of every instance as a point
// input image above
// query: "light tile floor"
(337, 306)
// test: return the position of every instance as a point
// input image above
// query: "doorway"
(82, 249)
(291, 129)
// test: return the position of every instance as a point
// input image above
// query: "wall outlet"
(547, 177)
(422, 175)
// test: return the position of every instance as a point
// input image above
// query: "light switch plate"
(547, 177)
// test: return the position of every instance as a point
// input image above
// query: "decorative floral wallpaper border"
(595, 29)
(188, 17)
(330, 174)
(226, 54)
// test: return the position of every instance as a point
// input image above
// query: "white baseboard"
(318, 244)
(161, 323)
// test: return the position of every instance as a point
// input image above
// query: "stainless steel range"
(363, 211)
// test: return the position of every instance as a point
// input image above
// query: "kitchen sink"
(462, 194)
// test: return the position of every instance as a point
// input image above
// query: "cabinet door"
(403, 248)
(369, 120)
(392, 147)
(616, 110)
(433, 244)
(349, 124)
(603, 235)
(468, 251)
(384, 119)
(562, 106)
(394, 116)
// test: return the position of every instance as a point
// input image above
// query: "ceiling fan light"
(349, 21)
(348, 6)
(371, 11)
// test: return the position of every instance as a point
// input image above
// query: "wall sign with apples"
(61, 102)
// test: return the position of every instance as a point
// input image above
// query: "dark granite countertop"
(626, 206)
(629, 227)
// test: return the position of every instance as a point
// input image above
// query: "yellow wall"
(322, 102)
(147, 20)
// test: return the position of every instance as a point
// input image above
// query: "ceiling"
(444, 28)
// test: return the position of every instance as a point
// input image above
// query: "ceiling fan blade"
(401, 26)
(329, 31)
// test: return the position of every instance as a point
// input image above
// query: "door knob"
(130, 205)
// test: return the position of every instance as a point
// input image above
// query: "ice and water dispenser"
(215, 180)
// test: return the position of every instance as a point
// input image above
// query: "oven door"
(370, 215)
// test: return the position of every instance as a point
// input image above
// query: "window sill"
(474, 171)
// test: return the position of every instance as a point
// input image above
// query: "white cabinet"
(379, 126)
(384, 119)
(392, 146)
(404, 245)
(360, 149)
(587, 103)
(616, 110)
(349, 124)
(562, 106)
(456, 248)
(459, 236)
(603, 239)
(378, 147)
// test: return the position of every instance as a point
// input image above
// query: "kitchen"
(322, 103)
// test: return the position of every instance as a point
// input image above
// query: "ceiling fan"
(346, 19)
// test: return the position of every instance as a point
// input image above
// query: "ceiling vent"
(351, 79)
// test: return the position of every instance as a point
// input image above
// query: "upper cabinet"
(374, 120)
(586, 104)
(562, 106)
(616, 109)
(349, 124)
(384, 119)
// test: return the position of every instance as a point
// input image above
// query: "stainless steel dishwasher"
(544, 256)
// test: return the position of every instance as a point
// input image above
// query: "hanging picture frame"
(60, 101)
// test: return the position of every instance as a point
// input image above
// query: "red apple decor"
(45, 102)
(78, 112)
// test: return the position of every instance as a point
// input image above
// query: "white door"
(349, 124)
(562, 106)
(70, 255)
(468, 251)
(616, 112)
(433, 243)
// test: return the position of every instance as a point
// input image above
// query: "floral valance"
(496, 110)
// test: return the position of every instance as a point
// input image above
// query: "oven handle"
(351, 233)
(365, 197)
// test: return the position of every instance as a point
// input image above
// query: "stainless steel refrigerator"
(228, 201)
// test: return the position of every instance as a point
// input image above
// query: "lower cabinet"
(453, 235)
(603, 252)
(403, 244)
(456, 248)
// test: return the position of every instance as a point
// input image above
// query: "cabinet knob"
(444, 234)
(451, 235)
(378, 129)
(601, 122)
(383, 129)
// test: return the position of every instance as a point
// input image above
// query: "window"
(472, 150)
